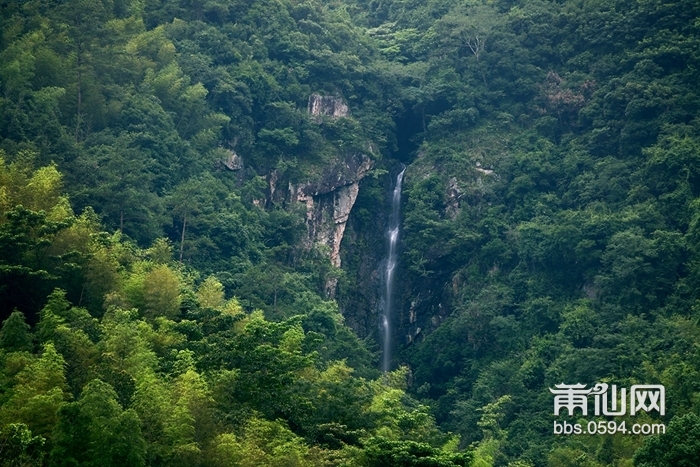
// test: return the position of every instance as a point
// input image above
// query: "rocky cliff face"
(329, 200)
(329, 197)
(331, 106)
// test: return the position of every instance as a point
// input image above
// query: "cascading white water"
(390, 266)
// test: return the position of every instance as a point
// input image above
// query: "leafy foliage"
(163, 301)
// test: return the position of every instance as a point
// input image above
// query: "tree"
(19, 448)
(52, 315)
(469, 29)
(14, 335)
(380, 452)
(185, 203)
(161, 292)
(95, 431)
(189, 424)
(211, 293)
(152, 401)
(38, 247)
(268, 367)
(263, 442)
(118, 177)
(85, 20)
(38, 391)
(678, 447)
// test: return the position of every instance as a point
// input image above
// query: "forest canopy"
(169, 296)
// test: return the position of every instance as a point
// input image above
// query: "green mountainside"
(192, 201)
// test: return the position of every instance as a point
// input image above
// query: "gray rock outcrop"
(329, 201)
(331, 106)
(233, 161)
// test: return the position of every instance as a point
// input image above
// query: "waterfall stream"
(390, 266)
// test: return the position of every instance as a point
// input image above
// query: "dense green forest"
(190, 249)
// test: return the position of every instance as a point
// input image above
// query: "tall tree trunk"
(182, 239)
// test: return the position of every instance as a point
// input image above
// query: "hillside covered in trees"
(193, 195)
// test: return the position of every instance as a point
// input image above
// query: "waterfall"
(390, 266)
